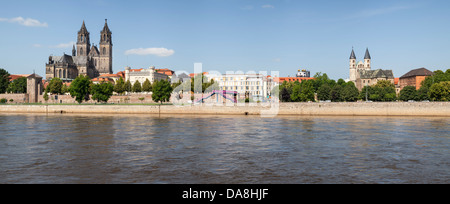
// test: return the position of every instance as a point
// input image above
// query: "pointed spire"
(74, 51)
(83, 28)
(353, 56)
(367, 56)
(105, 28)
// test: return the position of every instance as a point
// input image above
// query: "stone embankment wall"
(311, 109)
(17, 98)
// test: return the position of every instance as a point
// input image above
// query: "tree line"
(82, 88)
(326, 89)
(433, 88)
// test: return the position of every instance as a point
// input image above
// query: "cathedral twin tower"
(86, 59)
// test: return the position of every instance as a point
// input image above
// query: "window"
(81, 51)
(104, 51)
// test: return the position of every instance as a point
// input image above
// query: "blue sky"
(232, 35)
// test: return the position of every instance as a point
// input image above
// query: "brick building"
(414, 78)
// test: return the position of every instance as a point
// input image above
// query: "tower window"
(104, 51)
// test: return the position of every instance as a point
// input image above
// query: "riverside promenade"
(434, 109)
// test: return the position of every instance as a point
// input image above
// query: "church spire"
(367, 56)
(83, 29)
(105, 34)
(83, 41)
(352, 55)
(74, 51)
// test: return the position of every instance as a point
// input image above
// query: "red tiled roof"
(102, 79)
(299, 79)
(109, 75)
(13, 77)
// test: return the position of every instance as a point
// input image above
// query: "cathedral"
(362, 74)
(86, 59)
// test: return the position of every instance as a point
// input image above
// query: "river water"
(38, 148)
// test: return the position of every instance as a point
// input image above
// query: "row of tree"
(326, 89)
(433, 88)
(82, 87)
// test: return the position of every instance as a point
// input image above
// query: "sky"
(233, 35)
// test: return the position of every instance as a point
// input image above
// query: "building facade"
(414, 78)
(141, 75)
(86, 59)
(371, 77)
(252, 85)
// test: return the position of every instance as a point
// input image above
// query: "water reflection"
(222, 149)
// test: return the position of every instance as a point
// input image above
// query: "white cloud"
(37, 45)
(63, 45)
(160, 52)
(268, 6)
(25, 22)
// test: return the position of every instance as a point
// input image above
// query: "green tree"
(323, 93)
(350, 93)
(285, 94)
(438, 76)
(147, 86)
(102, 92)
(341, 82)
(4, 80)
(55, 86)
(336, 93)
(46, 95)
(18, 86)
(383, 90)
(408, 93)
(440, 91)
(80, 88)
(137, 88)
(422, 93)
(119, 87)
(162, 90)
(127, 86)
(64, 89)
(302, 92)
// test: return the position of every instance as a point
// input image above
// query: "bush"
(3, 100)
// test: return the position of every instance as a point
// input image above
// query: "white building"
(142, 74)
(255, 85)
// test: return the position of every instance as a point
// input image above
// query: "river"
(39, 148)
